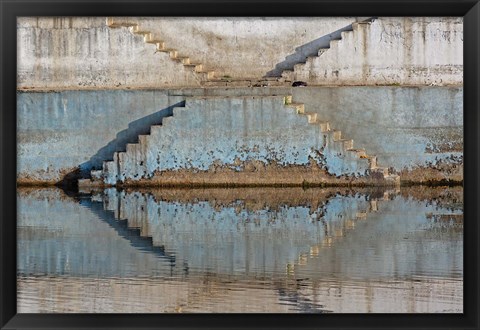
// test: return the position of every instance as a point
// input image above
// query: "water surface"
(241, 250)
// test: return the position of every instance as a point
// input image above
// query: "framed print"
(219, 164)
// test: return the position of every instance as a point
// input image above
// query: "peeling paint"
(239, 135)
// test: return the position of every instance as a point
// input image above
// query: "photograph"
(294, 165)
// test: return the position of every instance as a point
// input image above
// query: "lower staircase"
(307, 136)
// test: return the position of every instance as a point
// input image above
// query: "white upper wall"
(391, 51)
(84, 52)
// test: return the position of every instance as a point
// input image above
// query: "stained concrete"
(225, 139)
(86, 53)
(78, 53)
(390, 51)
(405, 127)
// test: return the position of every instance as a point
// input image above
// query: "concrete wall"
(391, 51)
(78, 53)
(407, 128)
(404, 127)
(244, 47)
(57, 132)
(234, 134)
(85, 53)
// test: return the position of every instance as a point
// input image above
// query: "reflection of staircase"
(181, 228)
(148, 37)
(335, 232)
(140, 160)
(290, 75)
(136, 235)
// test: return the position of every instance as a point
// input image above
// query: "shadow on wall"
(138, 127)
(306, 50)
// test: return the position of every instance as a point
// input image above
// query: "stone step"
(112, 24)
(159, 43)
(383, 170)
(312, 117)
(288, 76)
(197, 67)
(299, 107)
(392, 179)
(359, 152)
(321, 51)
(357, 25)
(173, 53)
(347, 143)
(131, 148)
(334, 42)
(146, 35)
(337, 135)
(177, 111)
(170, 51)
(155, 129)
(142, 139)
(288, 99)
(166, 121)
(343, 34)
(207, 75)
(324, 126)
(96, 174)
(182, 59)
(373, 161)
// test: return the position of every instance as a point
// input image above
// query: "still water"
(268, 250)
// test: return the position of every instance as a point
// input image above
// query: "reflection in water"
(241, 250)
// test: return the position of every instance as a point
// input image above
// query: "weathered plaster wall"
(404, 127)
(235, 134)
(243, 47)
(85, 53)
(408, 128)
(81, 53)
(388, 51)
(60, 131)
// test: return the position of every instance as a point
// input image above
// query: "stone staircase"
(340, 144)
(140, 161)
(290, 75)
(174, 54)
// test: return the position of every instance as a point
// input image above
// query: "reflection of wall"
(57, 235)
(348, 253)
(342, 234)
(232, 239)
(399, 240)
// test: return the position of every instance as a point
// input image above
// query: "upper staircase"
(292, 75)
(199, 68)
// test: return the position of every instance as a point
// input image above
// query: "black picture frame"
(10, 9)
